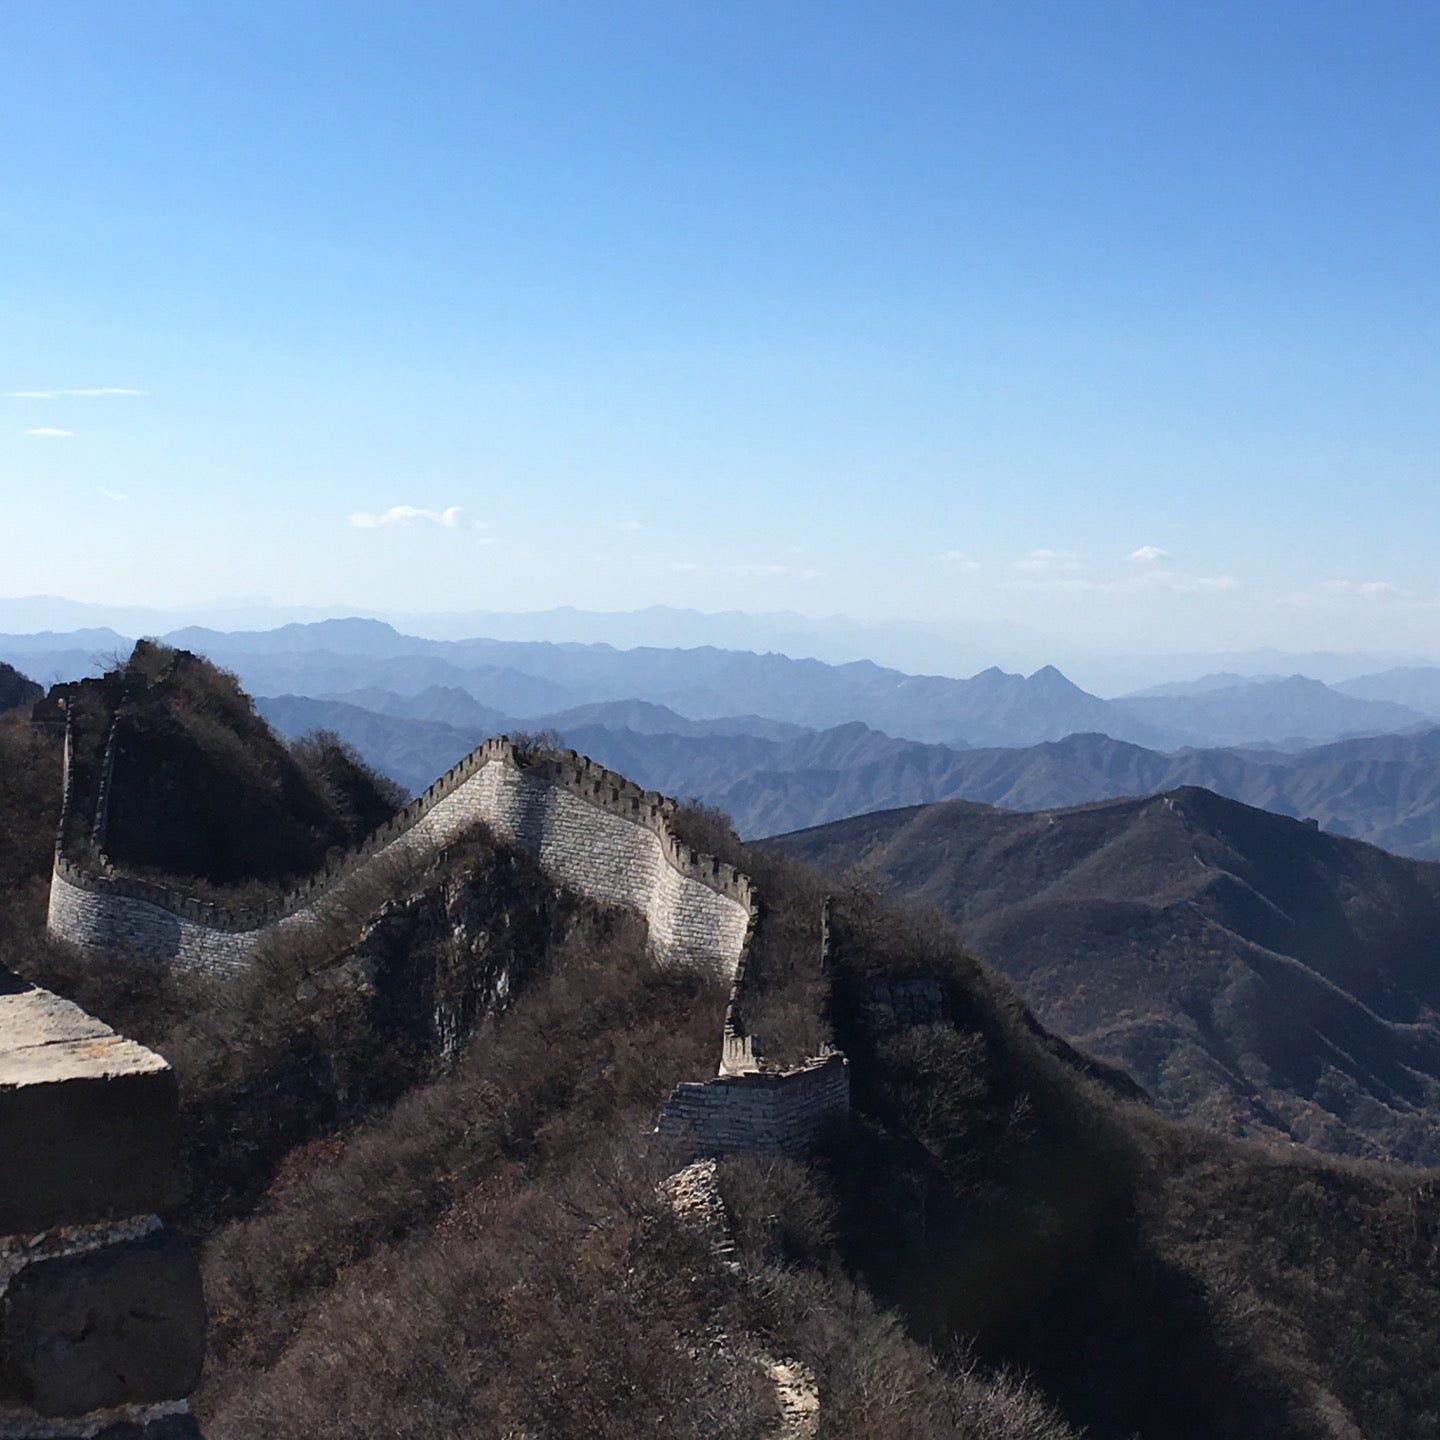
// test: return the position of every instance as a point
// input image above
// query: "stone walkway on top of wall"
(695, 1197)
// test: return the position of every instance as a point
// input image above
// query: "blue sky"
(1116, 321)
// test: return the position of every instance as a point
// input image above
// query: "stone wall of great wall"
(753, 1105)
(101, 1315)
(777, 1112)
(102, 1321)
(590, 829)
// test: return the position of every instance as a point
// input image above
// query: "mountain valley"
(1247, 970)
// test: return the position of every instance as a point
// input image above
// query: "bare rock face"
(120, 1325)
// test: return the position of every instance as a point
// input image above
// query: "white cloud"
(67, 394)
(958, 560)
(1051, 560)
(1149, 555)
(742, 568)
(110, 494)
(49, 432)
(1363, 587)
(629, 526)
(448, 519)
(1151, 579)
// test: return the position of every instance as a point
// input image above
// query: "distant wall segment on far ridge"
(590, 829)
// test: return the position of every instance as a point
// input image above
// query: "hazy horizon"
(933, 648)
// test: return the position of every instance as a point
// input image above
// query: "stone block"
(88, 1120)
(122, 1324)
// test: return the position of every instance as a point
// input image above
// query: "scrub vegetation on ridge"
(456, 1230)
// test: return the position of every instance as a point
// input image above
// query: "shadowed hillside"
(17, 690)
(1249, 971)
(189, 781)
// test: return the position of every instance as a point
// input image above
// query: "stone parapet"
(88, 1119)
(766, 1112)
(102, 1322)
(590, 828)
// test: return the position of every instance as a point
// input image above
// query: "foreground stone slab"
(121, 1324)
(88, 1120)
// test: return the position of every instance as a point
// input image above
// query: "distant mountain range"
(1291, 711)
(1384, 789)
(530, 678)
(1249, 971)
(782, 743)
(922, 647)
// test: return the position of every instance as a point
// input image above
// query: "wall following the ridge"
(753, 1104)
(590, 829)
(769, 1112)
(102, 1322)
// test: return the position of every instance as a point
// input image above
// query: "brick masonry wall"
(769, 1112)
(102, 1323)
(590, 829)
(101, 1314)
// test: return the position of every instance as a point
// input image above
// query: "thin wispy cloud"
(741, 568)
(91, 393)
(1149, 555)
(629, 527)
(1149, 580)
(958, 560)
(1362, 587)
(1051, 560)
(447, 519)
(49, 432)
(110, 494)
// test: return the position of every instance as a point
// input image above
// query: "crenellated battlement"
(590, 829)
(530, 801)
(95, 1116)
